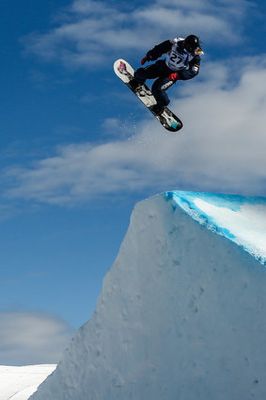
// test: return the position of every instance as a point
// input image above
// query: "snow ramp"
(182, 312)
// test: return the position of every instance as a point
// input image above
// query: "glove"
(143, 60)
(174, 76)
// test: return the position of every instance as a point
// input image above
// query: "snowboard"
(167, 118)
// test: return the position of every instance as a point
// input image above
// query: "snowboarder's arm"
(192, 71)
(159, 50)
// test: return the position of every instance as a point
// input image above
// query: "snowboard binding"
(135, 86)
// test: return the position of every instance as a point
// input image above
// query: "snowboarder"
(182, 62)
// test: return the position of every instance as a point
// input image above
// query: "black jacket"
(190, 65)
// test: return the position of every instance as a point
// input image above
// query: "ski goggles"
(198, 51)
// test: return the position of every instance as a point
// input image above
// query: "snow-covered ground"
(19, 383)
(182, 311)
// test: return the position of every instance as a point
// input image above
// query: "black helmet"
(192, 44)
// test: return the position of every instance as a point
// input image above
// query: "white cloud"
(90, 32)
(31, 338)
(221, 147)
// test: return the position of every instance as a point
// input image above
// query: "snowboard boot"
(157, 109)
(135, 85)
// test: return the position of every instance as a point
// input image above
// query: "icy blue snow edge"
(187, 202)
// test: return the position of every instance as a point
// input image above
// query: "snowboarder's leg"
(159, 92)
(151, 72)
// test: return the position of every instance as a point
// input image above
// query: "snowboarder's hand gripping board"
(126, 73)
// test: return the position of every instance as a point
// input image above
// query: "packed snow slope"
(18, 383)
(182, 311)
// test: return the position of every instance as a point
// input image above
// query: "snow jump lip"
(237, 218)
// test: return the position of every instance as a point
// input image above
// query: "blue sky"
(77, 149)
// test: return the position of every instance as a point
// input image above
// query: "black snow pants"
(160, 71)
